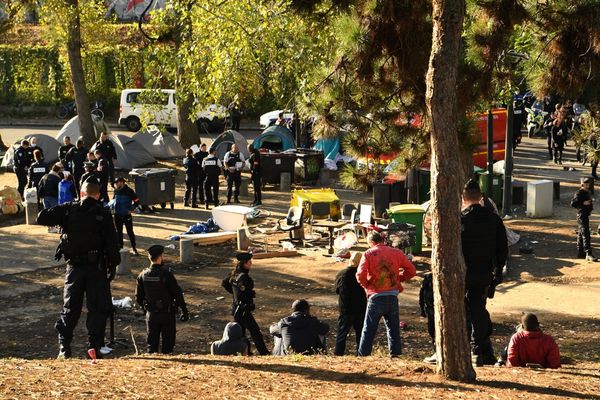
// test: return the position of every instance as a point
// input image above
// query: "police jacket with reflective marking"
(158, 291)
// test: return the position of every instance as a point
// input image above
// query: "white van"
(158, 107)
(155, 107)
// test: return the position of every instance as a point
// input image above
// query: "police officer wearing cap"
(212, 167)
(90, 248)
(234, 161)
(240, 284)
(485, 249)
(90, 172)
(582, 201)
(256, 173)
(22, 161)
(160, 296)
(200, 156)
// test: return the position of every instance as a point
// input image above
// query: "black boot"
(64, 351)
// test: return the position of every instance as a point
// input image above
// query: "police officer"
(37, 170)
(583, 202)
(77, 156)
(90, 171)
(21, 165)
(235, 113)
(33, 146)
(89, 246)
(212, 167)
(110, 155)
(103, 170)
(125, 200)
(63, 151)
(160, 296)
(256, 173)
(485, 250)
(200, 156)
(241, 285)
(190, 164)
(234, 162)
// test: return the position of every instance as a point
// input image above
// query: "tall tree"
(446, 258)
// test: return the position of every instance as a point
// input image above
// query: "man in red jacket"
(380, 273)
(531, 346)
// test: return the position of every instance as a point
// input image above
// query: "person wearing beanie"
(352, 304)
(159, 295)
(531, 347)
(299, 333)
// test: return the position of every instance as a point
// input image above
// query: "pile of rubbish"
(208, 226)
(10, 201)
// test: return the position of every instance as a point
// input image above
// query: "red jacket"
(382, 268)
(533, 347)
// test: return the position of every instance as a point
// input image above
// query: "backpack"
(81, 241)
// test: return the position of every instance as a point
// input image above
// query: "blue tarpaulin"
(329, 147)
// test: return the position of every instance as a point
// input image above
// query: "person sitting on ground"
(531, 347)
(233, 342)
(300, 333)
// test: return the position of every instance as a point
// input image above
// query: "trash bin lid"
(406, 209)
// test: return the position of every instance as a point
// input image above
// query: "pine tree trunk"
(453, 351)
(86, 126)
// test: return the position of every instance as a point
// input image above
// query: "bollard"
(244, 187)
(31, 213)
(285, 182)
(124, 268)
(186, 251)
(243, 241)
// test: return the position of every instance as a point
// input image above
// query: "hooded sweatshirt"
(232, 343)
(299, 334)
(533, 347)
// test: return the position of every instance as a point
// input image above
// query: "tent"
(122, 161)
(137, 155)
(224, 141)
(330, 147)
(161, 145)
(48, 144)
(71, 129)
(278, 138)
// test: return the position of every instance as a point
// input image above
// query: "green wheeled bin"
(497, 182)
(410, 214)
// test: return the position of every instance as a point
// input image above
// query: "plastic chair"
(293, 222)
(364, 220)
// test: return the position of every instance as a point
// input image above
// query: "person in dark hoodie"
(352, 303)
(125, 200)
(299, 333)
(233, 342)
(582, 201)
(48, 186)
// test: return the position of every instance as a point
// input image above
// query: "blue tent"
(330, 147)
(277, 138)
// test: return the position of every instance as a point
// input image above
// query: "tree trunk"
(187, 131)
(86, 126)
(453, 351)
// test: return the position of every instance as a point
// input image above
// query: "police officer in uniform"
(485, 249)
(62, 153)
(212, 167)
(90, 248)
(109, 153)
(241, 285)
(37, 170)
(234, 161)
(160, 296)
(21, 165)
(103, 171)
(77, 156)
(33, 146)
(583, 202)
(256, 173)
(200, 156)
(192, 168)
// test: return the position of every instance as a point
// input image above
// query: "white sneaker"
(105, 350)
(431, 359)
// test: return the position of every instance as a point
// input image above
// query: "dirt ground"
(561, 289)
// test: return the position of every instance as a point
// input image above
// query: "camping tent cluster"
(145, 147)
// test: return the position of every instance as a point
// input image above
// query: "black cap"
(243, 257)
(300, 305)
(588, 180)
(155, 250)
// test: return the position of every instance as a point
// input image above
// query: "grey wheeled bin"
(154, 186)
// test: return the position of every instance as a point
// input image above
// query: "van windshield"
(148, 97)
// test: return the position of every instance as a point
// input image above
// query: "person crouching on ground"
(160, 296)
(531, 347)
(233, 342)
(352, 303)
(299, 333)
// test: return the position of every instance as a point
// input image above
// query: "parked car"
(268, 119)
(158, 107)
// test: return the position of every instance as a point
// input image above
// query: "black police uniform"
(241, 286)
(31, 149)
(200, 156)
(584, 242)
(110, 154)
(352, 304)
(21, 164)
(211, 166)
(89, 246)
(485, 249)
(159, 295)
(103, 171)
(256, 172)
(559, 137)
(92, 173)
(191, 180)
(235, 113)
(77, 157)
(62, 156)
(234, 174)
(36, 171)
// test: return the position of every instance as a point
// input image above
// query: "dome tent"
(122, 161)
(161, 145)
(224, 141)
(137, 155)
(277, 138)
(71, 129)
(47, 143)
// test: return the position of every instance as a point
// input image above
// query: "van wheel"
(133, 124)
